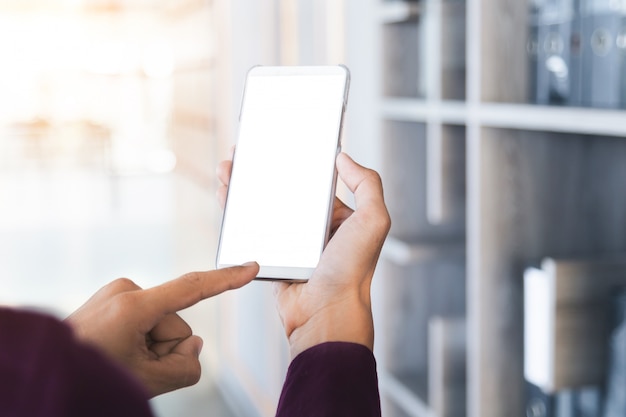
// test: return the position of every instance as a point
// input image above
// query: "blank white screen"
(280, 188)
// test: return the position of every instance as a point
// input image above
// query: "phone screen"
(282, 185)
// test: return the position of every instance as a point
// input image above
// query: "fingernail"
(249, 264)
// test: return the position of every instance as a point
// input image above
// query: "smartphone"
(282, 187)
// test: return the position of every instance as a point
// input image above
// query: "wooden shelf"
(420, 110)
(554, 119)
(508, 116)
(409, 253)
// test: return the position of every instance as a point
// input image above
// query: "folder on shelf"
(583, 402)
(549, 49)
(602, 22)
(577, 53)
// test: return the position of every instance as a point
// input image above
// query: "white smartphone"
(282, 187)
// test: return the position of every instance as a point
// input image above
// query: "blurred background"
(497, 126)
(107, 155)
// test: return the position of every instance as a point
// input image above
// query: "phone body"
(281, 193)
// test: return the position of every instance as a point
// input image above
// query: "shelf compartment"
(452, 49)
(390, 408)
(539, 193)
(407, 190)
(447, 376)
(446, 174)
(410, 297)
(438, 392)
(407, 392)
(566, 320)
(404, 60)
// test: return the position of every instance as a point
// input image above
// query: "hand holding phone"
(282, 189)
(334, 305)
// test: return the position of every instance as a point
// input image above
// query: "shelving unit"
(477, 180)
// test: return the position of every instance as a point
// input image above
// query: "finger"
(191, 288)
(177, 369)
(163, 348)
(360, 237)
(363, 182)
(224, 169)
(171, 327)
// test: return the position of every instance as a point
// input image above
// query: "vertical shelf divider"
(432, 21)
(473, 97)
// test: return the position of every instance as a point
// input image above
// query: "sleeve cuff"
(331, 379)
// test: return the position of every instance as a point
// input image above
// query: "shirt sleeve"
(331, 379)
(45, 372)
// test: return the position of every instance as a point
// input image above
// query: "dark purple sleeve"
(331, 379)
(45, 372)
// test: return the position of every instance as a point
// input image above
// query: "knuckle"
(193, 278)
(374, 177)
(378, 220)
(386, 221)
(122, 304)
(122, 284)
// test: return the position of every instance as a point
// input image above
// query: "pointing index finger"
(191, 288)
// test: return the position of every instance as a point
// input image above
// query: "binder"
(602, 22)
(577, 53)
(584, 402)
(549, 51)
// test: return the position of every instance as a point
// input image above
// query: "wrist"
(334, 324)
